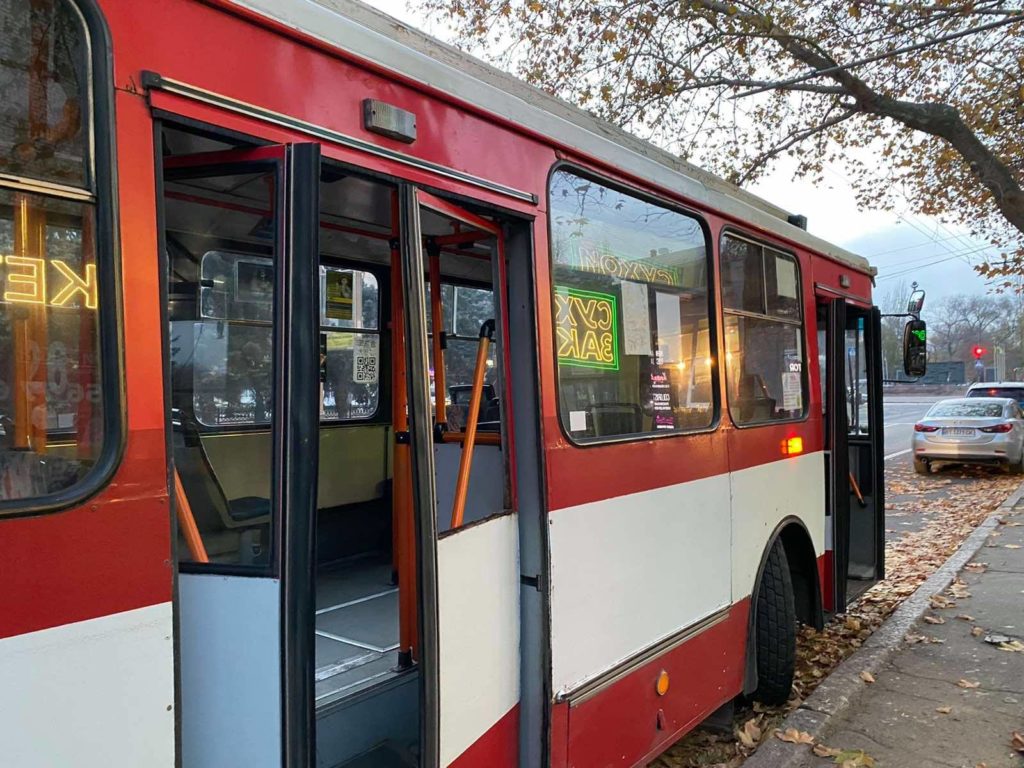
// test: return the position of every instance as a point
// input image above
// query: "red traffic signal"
(979, 351)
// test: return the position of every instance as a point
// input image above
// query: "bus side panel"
(86, 676)
(762, 497)
(628, 722)
(630, 571)
(478, 594)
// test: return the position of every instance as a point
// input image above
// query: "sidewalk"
(946, 696)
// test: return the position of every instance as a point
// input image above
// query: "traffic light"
(979, 351)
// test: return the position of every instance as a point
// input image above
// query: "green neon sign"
(587, 328)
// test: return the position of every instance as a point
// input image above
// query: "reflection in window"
(51, 411)
(44, 81)
(631, 313)
(221, 240)
(764, 353)
(857, 381)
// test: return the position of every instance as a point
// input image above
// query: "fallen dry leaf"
(977, 631)
(867, 677)
(854, 758)
(1015, 646)
(964, 617)
(822, 751)
(934, 620)
(943, 710)
(1011, 546)
(1017, 741)
(793, 736)
(750, 734)
(976, 567)
(961, 683)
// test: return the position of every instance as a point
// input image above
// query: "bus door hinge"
(537, 582)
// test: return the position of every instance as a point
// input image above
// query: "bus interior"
(219, 228)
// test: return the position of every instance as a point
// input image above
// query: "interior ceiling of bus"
(355, 214)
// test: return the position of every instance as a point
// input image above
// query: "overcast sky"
(903, 246)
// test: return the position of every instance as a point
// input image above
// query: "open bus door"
(239, 230)
(462, 486)
(849, 341)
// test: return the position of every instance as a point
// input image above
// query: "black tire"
(775, 628)
(922, 467)
(1016, 468)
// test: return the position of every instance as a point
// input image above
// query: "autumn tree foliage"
(920, 104)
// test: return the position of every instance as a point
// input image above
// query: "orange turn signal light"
(661, 686)
(792, 446)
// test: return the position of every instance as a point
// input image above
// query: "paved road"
(899, 417)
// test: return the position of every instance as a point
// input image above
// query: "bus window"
(220, 235)
(350, 329)
(51, 409)
(631, 313)
(465, 309)
(764, 353)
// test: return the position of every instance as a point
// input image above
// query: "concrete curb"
(844, 687)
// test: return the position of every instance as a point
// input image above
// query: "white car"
(1014, 389)
(971, 430)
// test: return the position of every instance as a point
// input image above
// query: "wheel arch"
(803, 569)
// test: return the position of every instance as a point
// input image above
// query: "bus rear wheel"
(775, 628)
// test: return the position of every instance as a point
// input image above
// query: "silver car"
(976, 430)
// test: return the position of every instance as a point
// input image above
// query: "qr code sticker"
(365, 370)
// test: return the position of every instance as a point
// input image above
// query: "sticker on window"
(339, 296)
(792, 393)
(364, 367)
(636, 319)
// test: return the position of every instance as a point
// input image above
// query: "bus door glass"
(850, 367)
(863, 380)
(453, 292)
(241, 268)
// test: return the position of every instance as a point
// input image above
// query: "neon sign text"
(588, 257)
(23, 280)
(587, 328)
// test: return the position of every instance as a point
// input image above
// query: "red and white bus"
(363, 406)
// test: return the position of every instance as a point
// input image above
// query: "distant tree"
(892, 303)
(959, 323)
(929, 91)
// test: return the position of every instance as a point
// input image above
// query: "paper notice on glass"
(365, 356)
(577, 421)
(792, 392)
(636, 319)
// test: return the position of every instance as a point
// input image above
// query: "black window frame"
(98, 120)
(712, 307)
(801, 323)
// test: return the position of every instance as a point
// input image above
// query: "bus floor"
(356, 628)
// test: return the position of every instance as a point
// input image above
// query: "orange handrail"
(437, 337)
(403, 525)
(482, 438)
(187, 522)
(466, 462)
(856, 490)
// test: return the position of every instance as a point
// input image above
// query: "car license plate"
(957, 432)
